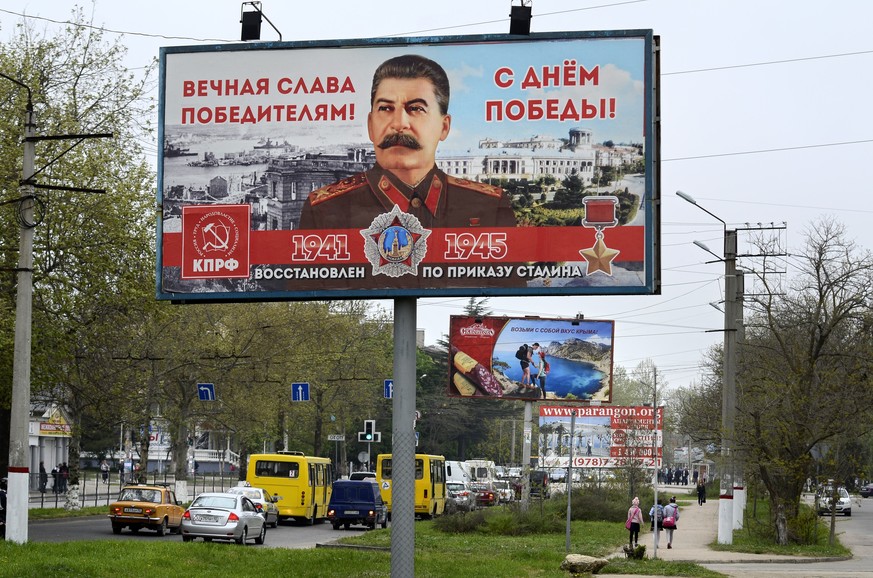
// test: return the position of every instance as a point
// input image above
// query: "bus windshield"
(386, 469)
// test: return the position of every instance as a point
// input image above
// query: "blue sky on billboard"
(763, 111)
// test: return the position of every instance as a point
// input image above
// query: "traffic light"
(369, 434)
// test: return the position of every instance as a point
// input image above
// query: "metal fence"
(95, 489)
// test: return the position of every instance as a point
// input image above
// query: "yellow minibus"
(430, 483)
(302, 483)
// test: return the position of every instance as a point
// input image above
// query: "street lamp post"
(728, 392)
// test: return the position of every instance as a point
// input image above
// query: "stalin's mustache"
(400, 139)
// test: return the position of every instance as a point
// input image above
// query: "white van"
(457, 472)
(481, 470)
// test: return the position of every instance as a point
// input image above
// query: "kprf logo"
(215, 241)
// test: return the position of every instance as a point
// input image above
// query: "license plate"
(352, 512)
(133, 510)
(204, 518)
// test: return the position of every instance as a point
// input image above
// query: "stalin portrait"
(408, 118)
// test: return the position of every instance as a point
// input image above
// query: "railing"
(95, 491)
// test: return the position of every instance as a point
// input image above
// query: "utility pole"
(728, 391)
(19, 424)
(19, 446)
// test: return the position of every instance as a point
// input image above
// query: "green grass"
(496, 547)
(809, 535)
(51, 513)
(437, 554)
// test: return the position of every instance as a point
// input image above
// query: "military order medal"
(395, 243)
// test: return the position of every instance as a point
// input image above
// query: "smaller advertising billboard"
(600, 436)
(530, 358)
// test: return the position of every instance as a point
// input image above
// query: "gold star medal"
(599, 256)
(600, 213)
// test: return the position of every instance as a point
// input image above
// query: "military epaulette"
(483, 188)
(338, 188)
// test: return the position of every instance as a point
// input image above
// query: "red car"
(485, 494)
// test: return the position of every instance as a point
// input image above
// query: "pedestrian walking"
(64, 476)
(701, 493)
(634, 522)
(56, 484)
(671, 520)
(43, 478)
(104, 471)
(656, 516)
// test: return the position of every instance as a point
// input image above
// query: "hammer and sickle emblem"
(216, 236)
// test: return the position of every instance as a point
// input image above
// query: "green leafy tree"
(91, 251)
(805, 367)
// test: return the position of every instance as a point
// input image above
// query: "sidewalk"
(697, 529)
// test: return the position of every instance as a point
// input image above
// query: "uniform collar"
(392, 191)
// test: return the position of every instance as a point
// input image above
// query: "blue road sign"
(300, 391)
(206, 391)
(389, 388)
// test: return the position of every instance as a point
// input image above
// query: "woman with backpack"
(671, 520)
(656, 515)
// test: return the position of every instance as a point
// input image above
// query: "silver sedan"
(221, 516)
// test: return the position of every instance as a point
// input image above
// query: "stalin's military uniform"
(438, 201)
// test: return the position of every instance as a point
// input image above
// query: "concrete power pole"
(19, 447)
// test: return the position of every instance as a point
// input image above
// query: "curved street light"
(728, 514)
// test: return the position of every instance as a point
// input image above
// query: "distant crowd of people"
(676, 476)
(60, 475)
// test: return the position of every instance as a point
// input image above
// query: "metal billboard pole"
(403, 441)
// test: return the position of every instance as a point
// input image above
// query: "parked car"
(223, 516)
(824, 501)
(362, 475)
(264, 502)
(866, 491)
(558, 475)
(460, 496)
(539, 484)
(146, 506)
(504, 491)
(357, 502)
(485, 494)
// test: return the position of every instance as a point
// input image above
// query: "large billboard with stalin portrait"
(466, 166)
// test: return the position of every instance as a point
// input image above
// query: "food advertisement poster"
(548, 360)
(600, 436)
(469, 165)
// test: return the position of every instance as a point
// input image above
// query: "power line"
(761, 151)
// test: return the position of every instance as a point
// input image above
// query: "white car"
(504, 490)
(223, 516)
(461, 495)
(824, 500)
(265, 503)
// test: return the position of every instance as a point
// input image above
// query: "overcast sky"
(765, 117)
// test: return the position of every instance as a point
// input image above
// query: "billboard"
(530, 358)
(473, 165)
(601, 436)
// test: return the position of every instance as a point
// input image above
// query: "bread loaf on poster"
(465, 386)
(477, 373)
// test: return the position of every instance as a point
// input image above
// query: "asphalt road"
(855, 532)
(287, 535)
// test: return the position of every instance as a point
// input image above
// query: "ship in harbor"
(173, 150)
(271, 144)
